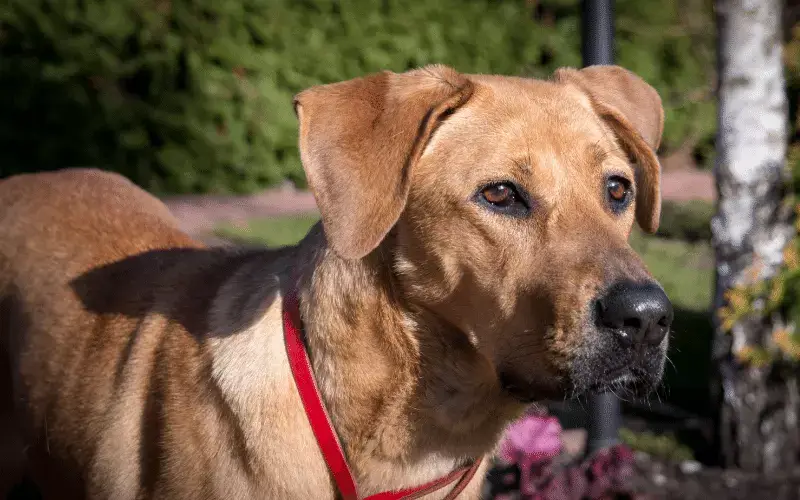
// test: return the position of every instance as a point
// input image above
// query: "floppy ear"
(360, 138)
(633, 110)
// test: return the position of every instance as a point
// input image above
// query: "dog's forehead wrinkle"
(522, 134)
(522, 163)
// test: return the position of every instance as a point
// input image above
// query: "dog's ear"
(633, 110)
(360, 138)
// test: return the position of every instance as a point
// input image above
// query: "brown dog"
(474, 258)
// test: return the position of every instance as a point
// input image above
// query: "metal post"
(597, 37)
(597, 23)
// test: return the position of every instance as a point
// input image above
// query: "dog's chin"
(627, 386)
(635, 381)
(628, 373)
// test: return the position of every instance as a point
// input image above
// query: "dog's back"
(55, 228)
(109, 321)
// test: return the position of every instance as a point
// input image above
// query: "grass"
(684, 268)
(686, 220)
(271, 232)
(664, 446)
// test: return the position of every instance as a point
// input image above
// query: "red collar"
(326, 436)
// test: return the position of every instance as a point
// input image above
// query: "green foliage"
(776, 296)
(686, 221)
(664, 446)
(684, 269)
(196, 95)
(672, 46)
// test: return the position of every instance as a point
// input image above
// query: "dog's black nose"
(639, 313)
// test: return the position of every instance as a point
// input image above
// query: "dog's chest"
(252, 372)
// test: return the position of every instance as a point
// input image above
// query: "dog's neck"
(415, 390)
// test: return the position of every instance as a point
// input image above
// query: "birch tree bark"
(758, 420)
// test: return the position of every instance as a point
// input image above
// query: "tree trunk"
(758, 420)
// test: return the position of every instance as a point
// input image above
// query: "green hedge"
(195, 95)
(688, 221)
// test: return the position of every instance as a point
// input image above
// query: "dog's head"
(506, 204)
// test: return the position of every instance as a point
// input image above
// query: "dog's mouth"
(624, 382)
(606, 365)
(633, 379)
(630, 381)
(602, 365)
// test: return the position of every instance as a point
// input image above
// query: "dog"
(472, 258)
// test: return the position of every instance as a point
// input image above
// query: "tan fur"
(136, 363)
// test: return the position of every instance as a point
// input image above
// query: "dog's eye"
(503, 197)
(618, 190)
(500, 194)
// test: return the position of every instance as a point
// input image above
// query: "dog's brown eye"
(499, 194)
(618, 190)
(504, 197)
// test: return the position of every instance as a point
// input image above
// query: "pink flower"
(531, 439)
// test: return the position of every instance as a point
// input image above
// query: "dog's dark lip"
(519, 395)
(515, 391)
(628, 382)
(612, 374)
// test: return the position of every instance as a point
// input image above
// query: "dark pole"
(597, 37)
(597, 24)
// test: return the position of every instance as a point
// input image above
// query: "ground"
(666, 481)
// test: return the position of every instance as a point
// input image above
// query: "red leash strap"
(309, 393)
(465, 474)
(323, 430)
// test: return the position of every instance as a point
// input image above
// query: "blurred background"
(192, 100)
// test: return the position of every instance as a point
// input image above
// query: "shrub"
(195, 95)
(665, 446)
(687, 221)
